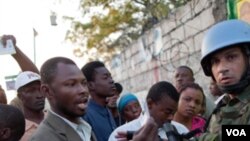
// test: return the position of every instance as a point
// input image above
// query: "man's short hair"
(118, 87)
(49, 68)
(188, 68)
(162, 89)
(12, 118)
(89, 69)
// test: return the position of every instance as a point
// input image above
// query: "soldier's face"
(228, 66)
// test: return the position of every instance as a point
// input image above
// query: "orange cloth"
(30, 128)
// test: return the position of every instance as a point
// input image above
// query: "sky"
(19, 17)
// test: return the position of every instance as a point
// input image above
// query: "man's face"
(181, 77)
(112, 101)
(214, 89)
(69, 91)
(32, 97)
(228, 66)
(162, 111)
(103, 84)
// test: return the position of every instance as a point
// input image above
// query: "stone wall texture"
(180, 35)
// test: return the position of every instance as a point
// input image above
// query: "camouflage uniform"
(235, 111)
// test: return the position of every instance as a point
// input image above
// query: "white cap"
(25, 78)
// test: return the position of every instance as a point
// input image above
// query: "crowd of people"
(88, 105)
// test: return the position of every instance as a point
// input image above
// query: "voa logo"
(236, 132)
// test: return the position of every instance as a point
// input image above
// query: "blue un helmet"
(221, 36)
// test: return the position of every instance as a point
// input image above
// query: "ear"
(91, 85)
(46, 90)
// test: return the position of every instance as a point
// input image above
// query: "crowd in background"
(87, 104)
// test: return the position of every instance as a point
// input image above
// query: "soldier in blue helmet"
(226, 58)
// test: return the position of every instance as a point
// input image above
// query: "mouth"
(225, 80)
(190, 112)
(82, 104)
(40, 102)
(113, 88)
(137, 114)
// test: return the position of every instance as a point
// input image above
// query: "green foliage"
(117, 22)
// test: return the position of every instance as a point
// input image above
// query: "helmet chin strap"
(235, 88)
(244, 81)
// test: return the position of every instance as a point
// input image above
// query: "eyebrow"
(231, 50)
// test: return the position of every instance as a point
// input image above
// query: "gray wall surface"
(139, 66)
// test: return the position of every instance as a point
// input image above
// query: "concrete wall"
(139, 66)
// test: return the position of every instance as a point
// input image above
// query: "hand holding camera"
(148, 132)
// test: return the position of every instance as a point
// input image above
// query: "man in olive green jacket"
(225, 58)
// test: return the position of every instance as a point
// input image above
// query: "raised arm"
(23, 61)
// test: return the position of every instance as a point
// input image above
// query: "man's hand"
(8, 37)
(148, 132)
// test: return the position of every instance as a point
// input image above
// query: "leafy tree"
(114, 24)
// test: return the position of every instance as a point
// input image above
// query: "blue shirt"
(100, 119)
